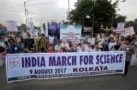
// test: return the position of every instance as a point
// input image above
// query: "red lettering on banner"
(87, 69)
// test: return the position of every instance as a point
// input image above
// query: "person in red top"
(62, 50)
(51, 49)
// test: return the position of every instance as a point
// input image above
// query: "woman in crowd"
(51, 49)
(79, 48)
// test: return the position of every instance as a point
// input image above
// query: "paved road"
(107, 82)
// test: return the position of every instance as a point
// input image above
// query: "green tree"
(132, 23)
(117, 19)
(98, 12)
(135, 24)
(83, 8)
(22, 26)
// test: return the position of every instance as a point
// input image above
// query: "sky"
(50, 10)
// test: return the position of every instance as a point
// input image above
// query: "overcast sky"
(47, 10)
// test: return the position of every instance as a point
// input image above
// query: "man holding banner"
(14, 48)
(129, 49)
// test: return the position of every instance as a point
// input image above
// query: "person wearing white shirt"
(93, 40)
(26, 38)
(25, 34)
(100, 42)
(51, 39)
(98, 37)
(58, 47)
(65, 45)
(89, 40)
(111, 44)
(96, 48)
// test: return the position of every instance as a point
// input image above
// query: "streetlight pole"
(68, 5)
(93, 15)
(26, 12)
(68, 18)
(25, 9)
(88, 18)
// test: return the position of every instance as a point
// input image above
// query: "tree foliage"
(117, 19)
(132, 23)
(22, 26)
(99, 12)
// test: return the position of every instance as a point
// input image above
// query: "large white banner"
(12, 26)
(71, 32)
(20, 67)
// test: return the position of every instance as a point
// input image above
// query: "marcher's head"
(96, 45)
(122, 38)
(59, 42)
(127, 40)
(71, 47)
(42, 35)
(79, 44)
(11, 41)
(111, 40)
(116, 47)
(25, 29)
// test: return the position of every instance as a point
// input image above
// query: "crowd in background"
(89, 43)
(21, 43)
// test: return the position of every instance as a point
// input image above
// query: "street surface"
(106, 82)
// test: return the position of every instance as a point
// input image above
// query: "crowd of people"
(21, 43)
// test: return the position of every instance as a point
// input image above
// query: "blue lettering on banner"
(33, 62)
(39, 66)
(86, 60)
(62, 60)
(109, 59)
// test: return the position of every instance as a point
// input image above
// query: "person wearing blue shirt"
(13, 47)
